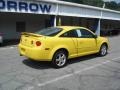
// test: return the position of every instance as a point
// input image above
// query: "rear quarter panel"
(56, 43)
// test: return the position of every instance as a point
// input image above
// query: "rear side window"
(71, 33)
(52, 31)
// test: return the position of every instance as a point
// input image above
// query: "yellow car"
(58, 44)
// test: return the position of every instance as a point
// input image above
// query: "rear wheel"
(103, 50)
(59, 59)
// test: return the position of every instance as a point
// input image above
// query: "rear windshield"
(51, 31)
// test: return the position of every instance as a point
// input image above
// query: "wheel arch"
(63, 49)
(58, 49)
(105, 44)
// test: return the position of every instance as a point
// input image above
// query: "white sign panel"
(27, 7)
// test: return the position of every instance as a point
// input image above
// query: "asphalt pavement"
(84, 73)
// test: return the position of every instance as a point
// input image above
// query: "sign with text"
(26, 6)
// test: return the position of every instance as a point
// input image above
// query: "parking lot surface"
(84, 73)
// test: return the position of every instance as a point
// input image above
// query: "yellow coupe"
(58, 44)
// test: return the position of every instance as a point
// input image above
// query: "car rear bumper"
(36, 54)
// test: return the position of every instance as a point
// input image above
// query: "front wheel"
(59, 59)
(103, 50)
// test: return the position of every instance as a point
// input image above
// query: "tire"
(59, 59)
(103, 50)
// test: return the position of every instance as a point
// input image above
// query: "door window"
(71, 33)
(86, 34)
(78, 33)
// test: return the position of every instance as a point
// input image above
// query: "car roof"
(67, 28)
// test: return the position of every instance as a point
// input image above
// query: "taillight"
(38, 43)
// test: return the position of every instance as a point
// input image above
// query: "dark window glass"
(51, 31)
(71, 33)
(86, 34)
(20, 26)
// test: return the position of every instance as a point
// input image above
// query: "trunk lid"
(30, 39)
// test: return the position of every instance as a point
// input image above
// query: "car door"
(87, 43)
(70, 39)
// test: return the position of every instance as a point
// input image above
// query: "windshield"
(51, 31)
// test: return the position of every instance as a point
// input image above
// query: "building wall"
(7, 27)
(8, 23)
(35, 22)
